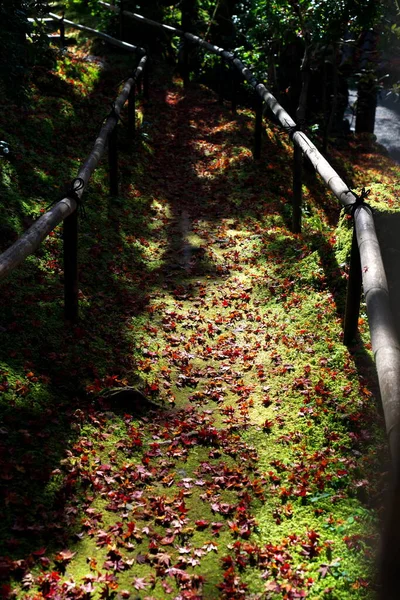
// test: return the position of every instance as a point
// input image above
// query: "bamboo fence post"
(145, 81)
(113, 161)
(132, 112)
(185, 63)
(62, 32)
(139, 84)
(70, 247)
(353, 295)
(297, 188)
(258, 128)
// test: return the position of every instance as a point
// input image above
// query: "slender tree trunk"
(301, 119)
(367, 87)
(367, 97)
(189, 10)
(272, 75)
(305, 82)
(324, 110)
(334, 99)
(222, 30)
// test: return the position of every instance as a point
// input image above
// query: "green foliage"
(13, 30)
(264, 20)
(22, 46)
(390, 46)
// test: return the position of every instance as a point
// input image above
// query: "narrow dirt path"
(254, 479)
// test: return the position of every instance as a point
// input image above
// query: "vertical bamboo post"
(70, 243)
(145, 76)
(258, 128)
(62, 31)
(234, 80)
(185, 63)
(132, 112)
(113, 161)
(353, 296)
(297, 188)
(139, 83)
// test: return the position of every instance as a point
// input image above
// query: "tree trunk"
(189, 10)
(297, 155)
(367, 86)
(305, 82)
(367, 97)
(189, 17)
(223, 29)
(334, 98)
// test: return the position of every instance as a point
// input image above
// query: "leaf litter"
(257, 476)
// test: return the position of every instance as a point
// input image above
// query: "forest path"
(254, 478)
(255, 450)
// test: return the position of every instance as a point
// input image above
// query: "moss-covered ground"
(260, 475)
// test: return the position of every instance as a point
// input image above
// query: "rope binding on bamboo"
(350, 209)
(113, 113)
(71, 191)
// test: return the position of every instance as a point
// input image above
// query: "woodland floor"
(261, 474)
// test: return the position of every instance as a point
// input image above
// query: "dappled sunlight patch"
(78, 72)
(224, 127)
(173, 98)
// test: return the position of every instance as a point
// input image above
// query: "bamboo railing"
(266, 99)
(100, 34)
(366, 266)
(66, 209)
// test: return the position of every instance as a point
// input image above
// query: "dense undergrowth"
(260, 474)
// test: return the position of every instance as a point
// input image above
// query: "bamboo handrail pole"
(29, 242)
(142, 19)
(33, 237)
(321, 165)
(170, 29)
(385, 344)
(100, 34)
(140, 68)
(384, 340)
(207, 46)
(99, 146)
(41, 19)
